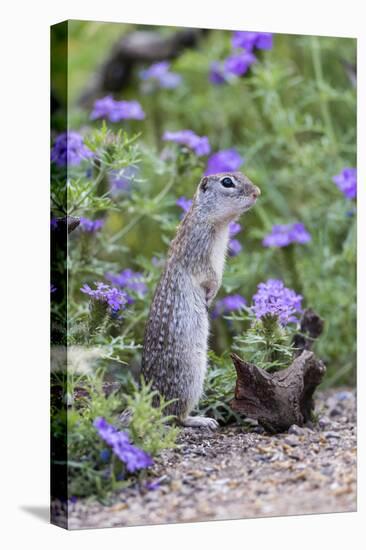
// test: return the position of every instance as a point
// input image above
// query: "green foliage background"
(293, 119)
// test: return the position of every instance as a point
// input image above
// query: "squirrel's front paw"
(199, 422)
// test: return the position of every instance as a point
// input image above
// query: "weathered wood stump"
(278, 400)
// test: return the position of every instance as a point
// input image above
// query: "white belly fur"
(218, 253)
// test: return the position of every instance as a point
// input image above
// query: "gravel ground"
(231, 474)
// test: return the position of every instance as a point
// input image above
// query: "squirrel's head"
(224, 197)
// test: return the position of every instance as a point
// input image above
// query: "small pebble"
(296, 430)
(292, 440)
(336, 411)
(324, 422)
(343, 395)
(328, 471)
(258, 429)
(330, 435)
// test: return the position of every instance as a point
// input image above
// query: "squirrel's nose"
(256, 192)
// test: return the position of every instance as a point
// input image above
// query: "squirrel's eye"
(227, 182)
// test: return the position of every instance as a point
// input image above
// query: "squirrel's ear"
(203, 184)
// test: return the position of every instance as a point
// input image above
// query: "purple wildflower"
(346, 181)
(233, 302)
(69, 149)
(156, 70)
(116, 299)
(122, 180)
(129, 280)
(199, 144)
(251, 40)
(133, 457)
(227, 160)
(273, 298)
(184, 203)
(53, 288)
(283, 235)
(126, 110)
(299, 234)
(234, 229)
(238, 64)
(160, 74)
(234, 247)
(105, 455)
(90, 226)
(103, 107)
(109, 433)
(53, 223)
(114, 111)
(217, 74)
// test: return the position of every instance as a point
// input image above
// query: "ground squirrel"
(174, 356)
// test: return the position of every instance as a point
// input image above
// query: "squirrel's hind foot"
(199, 422)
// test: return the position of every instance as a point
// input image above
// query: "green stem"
(290, 262)
(292, 141)
(127, 228)
(157, 120)
(318, 70)
(139, 217)
(132, 324)
(102, 173)
(58, 205)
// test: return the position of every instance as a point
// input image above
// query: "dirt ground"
(231, 474)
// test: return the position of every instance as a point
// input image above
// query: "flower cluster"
(115, 298)
(114, 111)
(129, 280)
(232, 302)
(283, 235)
(159, 75)
(69, 149)
(227, 160)
(346, 181)
(90, 226)
(133, 457)
(274, 299)
(242, 58)
(239, 63)
(252, 40)
(199, 144)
